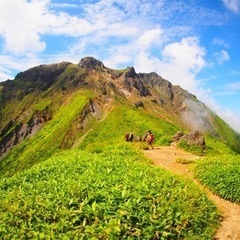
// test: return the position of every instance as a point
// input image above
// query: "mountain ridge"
(33, 99)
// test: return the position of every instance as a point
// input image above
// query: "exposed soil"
(166, 156)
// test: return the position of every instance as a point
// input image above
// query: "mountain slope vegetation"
(64, 160)
(112, 195)
(32, 99)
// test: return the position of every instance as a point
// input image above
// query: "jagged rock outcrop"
(155, 81)
(131, 82)
(90, 63)
(130, 73)
(167, 93)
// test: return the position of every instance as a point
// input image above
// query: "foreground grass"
(221, 174)
(112, 195)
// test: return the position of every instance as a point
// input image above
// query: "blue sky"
(191, 43)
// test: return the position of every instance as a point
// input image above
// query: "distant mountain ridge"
(34, 97)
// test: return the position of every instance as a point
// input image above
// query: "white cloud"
(182, 62)
(221, 56)
(149, 38)
(64, 5)
(233, 86)
(232, 5)
(64, 24)
(20, 24)
(220, 42)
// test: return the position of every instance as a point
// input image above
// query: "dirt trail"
(165, 157)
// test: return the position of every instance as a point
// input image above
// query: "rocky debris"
(192, 138)
(195, 138)
(90, 63)
(139, 104)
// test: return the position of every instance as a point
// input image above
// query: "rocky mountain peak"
(130, 72)
(90, 62)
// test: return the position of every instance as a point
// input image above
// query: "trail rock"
(192, 138)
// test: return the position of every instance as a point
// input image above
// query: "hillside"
(68, 173)
(53, 107)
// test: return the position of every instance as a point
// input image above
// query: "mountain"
(64, 105)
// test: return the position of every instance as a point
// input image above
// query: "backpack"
(150, 138)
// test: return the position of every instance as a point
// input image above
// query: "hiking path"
(166, 156)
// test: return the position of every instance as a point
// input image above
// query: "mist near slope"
(196, 115)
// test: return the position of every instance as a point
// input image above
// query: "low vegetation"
(111, 195)
(124, 119)
(105, 189)
(221, 174)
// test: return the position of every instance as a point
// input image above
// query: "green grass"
(221, 174)
(113, 195)
(42, 105)
(215, 146)
(184, 160)
(124, 119)
(228, 135)
(193, 148)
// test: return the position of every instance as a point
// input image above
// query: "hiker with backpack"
(149, 138)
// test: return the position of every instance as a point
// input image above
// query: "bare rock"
(90, 63)
(195, 138)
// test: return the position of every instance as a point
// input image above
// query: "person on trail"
(149, 138)
(129, 137)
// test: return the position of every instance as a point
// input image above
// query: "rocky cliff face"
(131, 82)
(166, 92)
(15, 132)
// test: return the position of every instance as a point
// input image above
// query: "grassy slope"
(124, 119)
(112, 195)
(105, 136)
(46, 142)
(232, 139)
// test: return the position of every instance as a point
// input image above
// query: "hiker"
(149, 138)
(129, 137)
